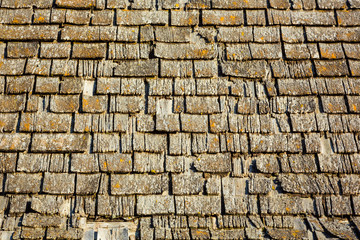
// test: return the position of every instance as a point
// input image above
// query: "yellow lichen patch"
(327, 54)
(12, 146)
(349, 34)
(204, 52)
(339, 20)
(201, 232)
(295, 233)
(52, 124)
(331, 107)
(40, 19)
(27, 126)
(117, 185)
(354, 107)
(85, 102)
(15, 20)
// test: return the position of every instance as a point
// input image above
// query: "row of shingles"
(56, 16)
(104, 158)
(161, 223)
(73, 86)
(72, 32)
(256, 49)
(159, 203)
(200, 143)
(204, 68)
(168, 4)
(164, 226)
(208, 17)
